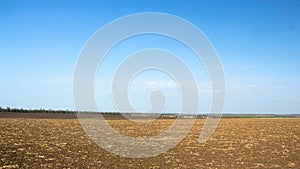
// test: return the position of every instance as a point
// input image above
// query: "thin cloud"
(161, 84)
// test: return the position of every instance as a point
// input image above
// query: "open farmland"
(60, 142)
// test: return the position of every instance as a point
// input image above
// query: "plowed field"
(236, 143)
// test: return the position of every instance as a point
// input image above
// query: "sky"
(257, 42)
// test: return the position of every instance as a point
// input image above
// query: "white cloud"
(161, 84)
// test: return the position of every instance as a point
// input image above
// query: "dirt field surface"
(236, 143)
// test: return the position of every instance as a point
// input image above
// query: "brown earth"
(236, 143)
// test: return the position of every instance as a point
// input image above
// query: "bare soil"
(57, 141)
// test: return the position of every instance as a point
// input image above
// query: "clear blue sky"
(258, 43)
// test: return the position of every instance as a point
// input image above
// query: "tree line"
(20, 110)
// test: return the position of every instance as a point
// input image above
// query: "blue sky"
(257, 41)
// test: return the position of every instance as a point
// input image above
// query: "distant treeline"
(17, 110)
(20, 110)
(8, 109)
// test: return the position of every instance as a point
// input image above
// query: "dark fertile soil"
(58, 141)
